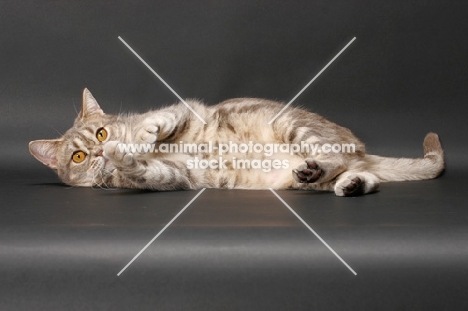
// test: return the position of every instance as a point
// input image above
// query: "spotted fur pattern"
(237, 120)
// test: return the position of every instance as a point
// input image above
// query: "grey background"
(405, 75)
(402, 77)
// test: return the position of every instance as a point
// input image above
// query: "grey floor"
(63, 247)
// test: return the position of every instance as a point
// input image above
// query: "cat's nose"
(99, 154)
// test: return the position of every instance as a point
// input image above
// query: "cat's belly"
(258, 173)
(240, 170)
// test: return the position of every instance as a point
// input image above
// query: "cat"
(92, 152)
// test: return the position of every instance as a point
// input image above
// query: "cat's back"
(247, 106)
(244, 119)
(257, 107)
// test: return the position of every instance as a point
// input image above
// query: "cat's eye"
(78, 156)
(101, 134)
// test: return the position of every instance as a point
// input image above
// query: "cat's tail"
(400, 169)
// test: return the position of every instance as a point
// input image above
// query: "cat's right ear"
(45, 151)
(89, 106)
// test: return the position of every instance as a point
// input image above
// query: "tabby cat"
(92, 152)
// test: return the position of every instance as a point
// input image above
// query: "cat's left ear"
(89, 106)
(45, 151)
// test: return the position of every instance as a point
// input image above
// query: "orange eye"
(101, 134)
(78, 156)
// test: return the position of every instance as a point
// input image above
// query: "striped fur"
(237, 120)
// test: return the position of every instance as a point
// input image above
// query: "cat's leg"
(321, 165)
(165, 124)
(156, 126)
(320, 169)
(152, 174)
(353, 183)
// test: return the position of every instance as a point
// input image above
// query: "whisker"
(105, 184)
(73, 102)
(95, 184)
(56, 130)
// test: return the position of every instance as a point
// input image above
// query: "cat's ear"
(45, 151)
(89, 106)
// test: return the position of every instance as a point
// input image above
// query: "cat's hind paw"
(350, 188)
(307, 172)
(352, 184)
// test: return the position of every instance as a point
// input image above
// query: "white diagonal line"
(315, 233)
(160, 232)
(316, 76)
(162, 80)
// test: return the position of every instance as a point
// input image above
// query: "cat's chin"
(109, 167)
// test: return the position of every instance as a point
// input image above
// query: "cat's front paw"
(307, 172)
(119, 154)
(148, 133)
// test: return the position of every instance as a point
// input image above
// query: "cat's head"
(77, 156)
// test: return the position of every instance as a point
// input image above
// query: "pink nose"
(99, 154)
